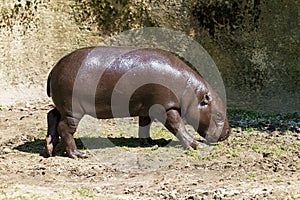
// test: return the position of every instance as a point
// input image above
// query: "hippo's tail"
(48, 85)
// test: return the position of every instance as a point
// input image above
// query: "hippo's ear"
(206, 100)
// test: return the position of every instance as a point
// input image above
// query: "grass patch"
(161, 132)
(84, 193)
(249, 120)
(28, 197)
(3, 193)
(233, 153)
(251, 176)
(2, 107)
(210, 153)
(250, 130)
(192, 152)
(255, 147)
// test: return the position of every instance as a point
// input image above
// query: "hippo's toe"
(198, 145)
(49, 146)
(76, 154)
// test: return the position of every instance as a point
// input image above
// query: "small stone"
(203, 192)
(187, 165)
(173, 195)
(155, 147)
(7, 150)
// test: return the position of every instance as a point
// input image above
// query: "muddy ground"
(260, 160)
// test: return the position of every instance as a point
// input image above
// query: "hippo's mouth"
(223, 138)
(226, 135)
(211, 143)
(214, 139)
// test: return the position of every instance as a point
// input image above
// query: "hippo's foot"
(76, 154)
(50, 144)
(148, 142)
(197, 145)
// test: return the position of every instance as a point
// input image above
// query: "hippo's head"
(207, 114)
(213, 122)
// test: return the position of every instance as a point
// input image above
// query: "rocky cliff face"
(255, 44)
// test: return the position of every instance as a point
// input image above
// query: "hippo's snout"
(218, 134)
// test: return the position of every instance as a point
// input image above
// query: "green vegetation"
(3, 193)
(84, 193)
(192, 152)
(233, 153)
(251, 175)
(251, 120)
(246, 136)
(255, 147)
(249, 133)
(161, 132)
(2, 107)
(28, 197)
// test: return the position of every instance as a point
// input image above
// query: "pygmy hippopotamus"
(113, 82)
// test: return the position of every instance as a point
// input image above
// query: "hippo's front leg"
(175, 125)
(66, 129)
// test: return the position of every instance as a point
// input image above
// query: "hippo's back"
(94, 78)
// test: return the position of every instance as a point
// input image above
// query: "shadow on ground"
(37, 146)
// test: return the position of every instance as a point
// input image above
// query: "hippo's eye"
(206, 100)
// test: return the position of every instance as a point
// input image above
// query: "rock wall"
(255, 43)
(34, 34)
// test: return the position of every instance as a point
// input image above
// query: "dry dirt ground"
(260, 160)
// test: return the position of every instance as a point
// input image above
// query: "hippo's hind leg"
(66, 128)
(144, 131)
(52, 137)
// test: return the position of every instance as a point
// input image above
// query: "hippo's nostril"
(227, 131)
(225, 135)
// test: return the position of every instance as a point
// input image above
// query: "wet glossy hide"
(110, 82)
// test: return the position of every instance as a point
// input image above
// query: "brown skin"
(108, 82)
